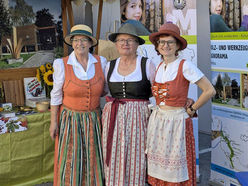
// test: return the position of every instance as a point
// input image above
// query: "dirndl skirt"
(127, 164)
(78, 153)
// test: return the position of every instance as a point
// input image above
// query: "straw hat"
(169, 29)
(80, 30)
(129, 29)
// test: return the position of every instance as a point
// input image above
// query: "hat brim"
(154, 37)
(67, 38)
(112, 37)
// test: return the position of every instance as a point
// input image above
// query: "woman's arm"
(106, 89)
(54, 124)
(208, 91)
(104, 64)
(56, 95)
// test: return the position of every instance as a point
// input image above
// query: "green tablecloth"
(26, 158)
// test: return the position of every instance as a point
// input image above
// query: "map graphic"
(230, 143)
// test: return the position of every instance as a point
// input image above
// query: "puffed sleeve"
(104, 64)
(106, 89)
(58, 82)
(150, 70)
(191, 72)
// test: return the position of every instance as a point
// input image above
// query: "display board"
(229, 64)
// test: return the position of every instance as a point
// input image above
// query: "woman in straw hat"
(78, 85)
(125, 115)
(170, 141)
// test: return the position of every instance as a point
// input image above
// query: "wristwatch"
(192, 109)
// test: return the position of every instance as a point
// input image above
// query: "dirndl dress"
(124, 154)
(78, 151)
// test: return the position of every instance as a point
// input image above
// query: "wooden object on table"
(13, 91)
(17, 74)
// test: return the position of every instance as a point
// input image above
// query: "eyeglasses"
(163, 42)
(124, 41)
(84, 41)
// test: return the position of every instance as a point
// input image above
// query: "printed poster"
(229, 51)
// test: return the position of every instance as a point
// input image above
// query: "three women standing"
(75, 99)
(170, 140)
(78, 85)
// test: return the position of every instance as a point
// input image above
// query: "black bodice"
(130, 90)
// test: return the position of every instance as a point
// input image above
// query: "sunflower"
(42, 69)
(38, 74)
(49, 66)
(48, 77)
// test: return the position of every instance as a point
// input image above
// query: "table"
(26, 158)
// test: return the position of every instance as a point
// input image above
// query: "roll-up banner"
(229, 63)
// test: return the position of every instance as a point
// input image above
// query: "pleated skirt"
(78, 153)
(128, 160)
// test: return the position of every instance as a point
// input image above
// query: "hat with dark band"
(80, 30)
(129, 29)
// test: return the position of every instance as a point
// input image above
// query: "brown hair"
(123, 5)
(156, 43)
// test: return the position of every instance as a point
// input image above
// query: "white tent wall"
(110, 17)
(80, 16)
(87, 13)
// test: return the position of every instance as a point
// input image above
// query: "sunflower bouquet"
(45, 76)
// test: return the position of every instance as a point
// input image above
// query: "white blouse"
(169, 72)
(59, 74)
(136, 75)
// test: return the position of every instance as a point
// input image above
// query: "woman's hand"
(208, 91)
(54, 125)
(53, 130)
(189, 103)
(188, 107)
(191, 112)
